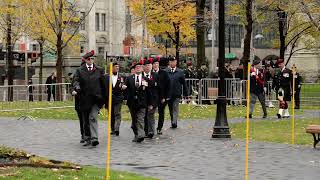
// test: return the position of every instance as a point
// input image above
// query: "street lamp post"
(221, 127)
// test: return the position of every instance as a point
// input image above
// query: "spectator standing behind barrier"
(269, 74)
(190, 74)
(282, 83)
(164, 89)
(51, 89)
(239, 72)
(201, 74)
(297, 88)
(30, 89)
(118, 88)
(177, 85)
(89, 83)
(257, 87)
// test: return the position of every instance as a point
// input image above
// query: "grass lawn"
(275, 131)
(53, 174)
(310, 90)
(9, 155)
(186, 111)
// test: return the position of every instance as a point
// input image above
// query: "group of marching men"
(147, 89)
(150, 88)
(282, 84)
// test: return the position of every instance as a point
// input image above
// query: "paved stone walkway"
(186, 153)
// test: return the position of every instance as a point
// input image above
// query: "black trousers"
(161, 109)
(81, 123)
(53, 93)
(85, 124)
(297, 98)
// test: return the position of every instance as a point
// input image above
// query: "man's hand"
(265, 89)
(123, 87)
(162, 101)
(150, 107)
(74, 93)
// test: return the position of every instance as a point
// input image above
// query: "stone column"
(91, 29)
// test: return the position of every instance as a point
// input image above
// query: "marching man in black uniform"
(154, 90)
(283, 86)
(138, 100)
(89, 83)
(118, 88)
(164, 89)
(177, 89)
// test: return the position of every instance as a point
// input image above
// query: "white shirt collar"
(89, 66)
(149, 74)
(114, 79)
(174, 69)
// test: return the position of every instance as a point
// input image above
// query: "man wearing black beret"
(89, 84)
(257, 87)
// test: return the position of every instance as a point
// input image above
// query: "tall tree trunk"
(177, 36)
(247, 38)
(59, 66)
(200, 30)
(59, 52)
(41, 66)
(282, 36)
(9, 57)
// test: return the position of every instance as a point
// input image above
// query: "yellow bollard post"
(248, 123)
(293, 104)
(109, 124)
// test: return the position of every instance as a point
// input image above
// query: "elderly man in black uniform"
(283, 85)
(118, 88)
(77, 107)
(257, 89)
(164, 89)
(154, 90)
(89, 84)
(139, 100)
(177, 85)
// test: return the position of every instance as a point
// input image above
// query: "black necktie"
(148, 76)
(137, 81)
(172, 70)
(89, 68)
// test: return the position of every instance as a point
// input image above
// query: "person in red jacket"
(257, 87)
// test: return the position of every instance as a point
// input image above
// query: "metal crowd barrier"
(207, 90)
(25, 98)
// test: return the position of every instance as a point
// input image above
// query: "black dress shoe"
(95, 143)
(112, 133)
(150, 135)
(117, 133)
(82, 141)
(264, 116)
(87, 143)
(139, 140)
(174, 126)
(250, 116)
(159, 132)
(279, 116)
